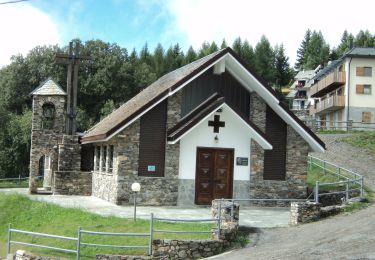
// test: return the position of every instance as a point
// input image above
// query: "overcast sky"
(132, 23)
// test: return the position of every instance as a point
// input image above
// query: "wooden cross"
(73, 60)
(216, 123)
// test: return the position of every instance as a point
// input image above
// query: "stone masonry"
(303, 212)
(62, 152)
(44, 141)
(294, 185)
(116, 187)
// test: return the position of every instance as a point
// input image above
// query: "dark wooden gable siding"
(207, 84)
(152, 141)
(275, 159)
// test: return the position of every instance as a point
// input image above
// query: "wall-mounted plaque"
(151, 168)
(243, 161)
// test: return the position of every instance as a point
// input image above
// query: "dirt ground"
(346, 236)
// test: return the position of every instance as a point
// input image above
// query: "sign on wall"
(151, 168)
(242, 161)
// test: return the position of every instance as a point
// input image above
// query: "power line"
(12, 2)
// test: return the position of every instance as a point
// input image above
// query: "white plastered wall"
(234, 135)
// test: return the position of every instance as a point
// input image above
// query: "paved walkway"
(249, 216)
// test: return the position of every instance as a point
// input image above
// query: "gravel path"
(346, 236)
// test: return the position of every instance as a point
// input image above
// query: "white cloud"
(280, 21)
(22, 28)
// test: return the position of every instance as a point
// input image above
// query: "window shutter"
(360, 71)
(366, 117)
(359, 89)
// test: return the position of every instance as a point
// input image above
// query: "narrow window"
(104, 157)
(97, 158)
(110, 159)
(48, 118)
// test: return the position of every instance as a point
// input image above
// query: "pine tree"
(237, 46)
(223, 44)
(248, 54)
(283, 71)
(265, 60)
(346, 43)
(158, 61)
(317, 52)
(364, 39)
(190, 56)
(301, 52)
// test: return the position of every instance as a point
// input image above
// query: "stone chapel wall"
(116, 188)
(294, 185)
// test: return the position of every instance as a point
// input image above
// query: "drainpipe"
(348, 110)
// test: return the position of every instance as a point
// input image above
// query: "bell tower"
(48, 127)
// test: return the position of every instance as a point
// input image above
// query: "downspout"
(348, 110)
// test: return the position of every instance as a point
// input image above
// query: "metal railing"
(80, 242)
(349, 179)
(231, 205)
(35, 234)
(350, 125)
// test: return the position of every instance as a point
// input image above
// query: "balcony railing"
(328, 105)
(328, 83)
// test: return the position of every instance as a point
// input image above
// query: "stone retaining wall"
(303, 212)
(72, 183)
(187, 249)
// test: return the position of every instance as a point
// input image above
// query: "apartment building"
(298, 94)
(343, 91)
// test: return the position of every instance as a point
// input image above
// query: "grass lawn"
(365, 139)
(14, 184)
(42, 217)
(315, 173)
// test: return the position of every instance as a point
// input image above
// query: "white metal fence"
(80, 242)
(347, 180)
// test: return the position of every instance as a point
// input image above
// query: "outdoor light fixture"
(136, 187)
(216, 139)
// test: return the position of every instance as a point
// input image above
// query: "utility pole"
(73, 59)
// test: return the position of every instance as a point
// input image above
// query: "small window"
(48, 119)
(110, 159)
(364, 71)
(366, 117)
(97, 158)
(363, 89)
(104, 158)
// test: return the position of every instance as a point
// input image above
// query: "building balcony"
(327, 84)
(328, 105)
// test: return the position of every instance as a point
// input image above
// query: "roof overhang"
(229, 61)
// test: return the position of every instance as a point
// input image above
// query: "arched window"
(48, 119)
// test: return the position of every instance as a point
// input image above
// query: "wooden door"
(214, 175)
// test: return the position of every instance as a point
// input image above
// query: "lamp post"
(136, 187)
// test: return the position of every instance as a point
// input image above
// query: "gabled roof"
(225, 59)
(205, 110)
(48, 88)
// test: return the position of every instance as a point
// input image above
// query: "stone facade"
(116, 187)
(294, 185)
(72, 183)
(303, 212)
(61, 153)
(44, 141)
